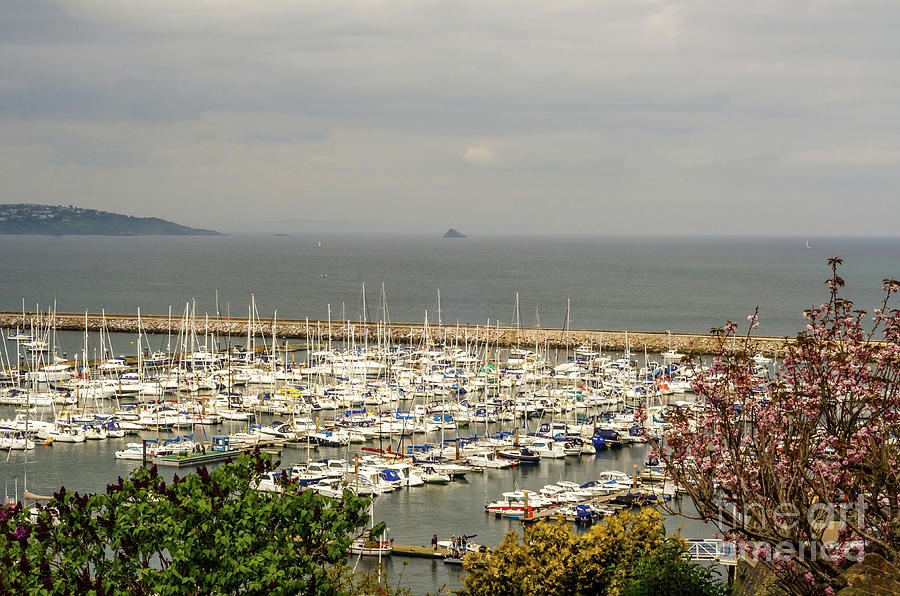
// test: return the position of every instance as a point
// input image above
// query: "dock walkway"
(421, 552)
(718, 551)
(190, 458)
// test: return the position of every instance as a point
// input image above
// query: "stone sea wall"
(294, 329)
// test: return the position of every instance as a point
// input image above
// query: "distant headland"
(57, 220)
(453, 233)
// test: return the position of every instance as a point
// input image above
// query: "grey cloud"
(302, 137)
(367, 110)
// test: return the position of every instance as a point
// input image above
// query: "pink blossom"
(812, 434)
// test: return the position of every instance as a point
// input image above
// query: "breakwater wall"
(412, 333)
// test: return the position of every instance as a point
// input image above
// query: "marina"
(439, 298)
(435, 428)
(381, 420)
(412, 514)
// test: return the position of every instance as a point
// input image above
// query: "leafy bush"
(666, 571)
(551, 560)
(206, 533)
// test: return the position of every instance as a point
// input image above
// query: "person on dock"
(434, 543)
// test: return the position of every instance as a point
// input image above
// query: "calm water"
(650, 284)
(412, 515)
(684, 285)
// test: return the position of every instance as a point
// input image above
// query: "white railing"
(712, 549)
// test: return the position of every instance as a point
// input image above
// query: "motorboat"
(277, 430)
(522, 455)
(548, 449)
(488, 459)
(135, 451)
(516, 504)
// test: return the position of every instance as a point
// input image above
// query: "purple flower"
(21, 533)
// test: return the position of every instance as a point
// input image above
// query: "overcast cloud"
(594, 117)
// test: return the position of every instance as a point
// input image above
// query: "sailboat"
(670, 354)
(368, 545)
(11, 439)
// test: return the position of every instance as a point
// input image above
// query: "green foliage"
(551, 560)
(666, 571)
(375, 582)
(207, 533)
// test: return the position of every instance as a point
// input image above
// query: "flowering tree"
(799, 467)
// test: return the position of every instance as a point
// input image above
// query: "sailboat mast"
(517, 319)
(385, 317)
(216, 330)
(365, 312)
(140, 366)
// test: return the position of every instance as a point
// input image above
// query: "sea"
(686, 285)
(623, 282)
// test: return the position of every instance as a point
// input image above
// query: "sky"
(500, 116)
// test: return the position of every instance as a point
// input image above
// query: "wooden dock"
(176, 460)
(187, 459)
(421, 552)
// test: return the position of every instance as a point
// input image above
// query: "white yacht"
(488, 459)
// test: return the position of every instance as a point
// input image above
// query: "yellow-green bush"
(552, 560)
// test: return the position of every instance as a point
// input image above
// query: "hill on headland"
(23, 218)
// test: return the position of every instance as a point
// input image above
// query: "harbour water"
(687, 285)
(637, 283)
(411, 514)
